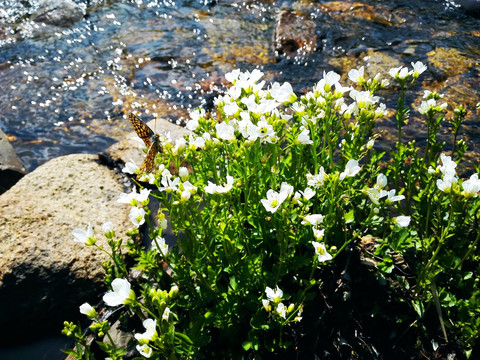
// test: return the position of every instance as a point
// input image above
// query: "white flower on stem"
(266, 304)
(137, 216)
(150, 334)
(418, 69)
(283, 93)
(142, 197)
(274, 295)
(357, 76)
(317, 180)
(363, 99)
(391, 197)
(304, 138)
(318, 234)
(145, 350)
(231, 108)
(84, 237)
(325, 85)
(88, 310)
(159, 245)
(308, 193)
(225, 131)
(121, 293)
(281, 310)
(211, 188)
(375, 194)
(313, 219)
(183, 173)
(185, 195)
(382, 181)
(448, 165)
(233, 75)
(400, 73)
(351, 169)
(402, 221)
(321, 252)
(166, 314)
(274, 199)
(130, 167)
(445, 184)
(471, 187)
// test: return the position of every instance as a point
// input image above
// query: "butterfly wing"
(149, 161)
(142, 130)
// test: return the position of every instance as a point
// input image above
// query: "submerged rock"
(63, 13)
(294, 34)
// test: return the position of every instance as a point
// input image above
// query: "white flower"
(402, 221)
(400, 73)
(363, 98)
(281, 310)
(321, 252)
(418, 68)
(274, 199)
(211, 188)
(183, 173)
(283, 93)
(357, 76)
(317, 180)
(448, 165)
(131, 167)
(471, 187)
(313, 219)
(137, 216)
(225, 131)
(84, 237)
(145, 350)
(381, 181)
(318, 233)
(150, 334)
(120, 293)
(231, 108)
(274, 295)
(391, 197)
(446, 183)
(159, 245)
(166, 314)
(88, 310)
(351, 169)
(308, 193)
(303, 137)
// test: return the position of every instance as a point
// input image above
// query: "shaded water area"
(67, 89)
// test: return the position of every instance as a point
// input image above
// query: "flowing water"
(66, 90)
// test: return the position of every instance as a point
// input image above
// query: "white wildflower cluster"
(274, 303)
(447, 167)
(449, 176)
(137, 201)
(402, 73)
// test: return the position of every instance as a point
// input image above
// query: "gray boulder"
(11, 169)
(44, 274)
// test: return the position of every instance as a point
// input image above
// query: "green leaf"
(349, 217)
(247, 345)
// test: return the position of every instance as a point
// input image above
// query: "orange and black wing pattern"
(142, 130)
(149, 161)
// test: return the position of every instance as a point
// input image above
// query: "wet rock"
(471, 7)
(63, 13)
(11, 169)
(294, 34)
(44, 274)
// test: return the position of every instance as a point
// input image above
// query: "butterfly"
(151, 140)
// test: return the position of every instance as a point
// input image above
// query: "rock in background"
(11, 169)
